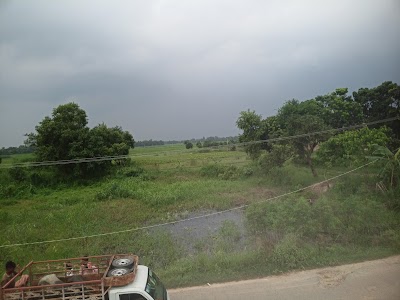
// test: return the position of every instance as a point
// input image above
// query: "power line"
(69, 161)
(187, 219)
(109, 158)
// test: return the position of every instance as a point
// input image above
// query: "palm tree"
(390, 173)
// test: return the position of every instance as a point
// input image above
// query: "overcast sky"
(178, 69)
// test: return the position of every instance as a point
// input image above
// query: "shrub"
(390, 166)
(288, 254)
(211, 170)
(280, 176)
(220, 171)
(8, 191)
(353, 219)
(188, 145)
(278, 155)
(37, 179)
(229, 173)
(228, 236)
(115, 191)
(157, 248)
(247, 172)
(204, 151)
(392, 199)
(18, 174)
(5, 217)
(352, 146)
(45, 177)
(134, 172)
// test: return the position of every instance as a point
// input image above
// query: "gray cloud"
(179, 69)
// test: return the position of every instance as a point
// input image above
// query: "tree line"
(22, 149)
(334, 110)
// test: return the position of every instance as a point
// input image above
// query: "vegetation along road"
(379, 279)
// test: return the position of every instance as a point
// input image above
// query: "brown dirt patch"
(249, 196)
(331, 278)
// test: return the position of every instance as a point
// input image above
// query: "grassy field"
(350, 222)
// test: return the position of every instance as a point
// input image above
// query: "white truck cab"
(146, 286)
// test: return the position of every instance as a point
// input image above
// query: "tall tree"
(62, 136)
(296, 108)
(305, 146)
(380, 103)
(339, 109)
(254, 129)
(300, 118)
(65, 136)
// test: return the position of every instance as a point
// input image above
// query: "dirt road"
(379, 279)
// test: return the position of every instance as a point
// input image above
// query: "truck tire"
(123, 262)
(118, 272)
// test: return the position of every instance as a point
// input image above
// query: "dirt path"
(378, 279)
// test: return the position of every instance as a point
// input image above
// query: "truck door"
(133, 296)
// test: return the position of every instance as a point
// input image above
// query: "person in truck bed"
(69, 271)
(87, 267)
(11, 271)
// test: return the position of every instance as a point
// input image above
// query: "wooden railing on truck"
(89, 284)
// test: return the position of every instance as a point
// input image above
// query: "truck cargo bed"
(72, 281)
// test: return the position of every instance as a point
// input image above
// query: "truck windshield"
(155, 288)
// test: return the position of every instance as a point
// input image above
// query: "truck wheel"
(118, 272)
(124, 262)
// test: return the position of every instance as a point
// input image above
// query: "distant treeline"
(216, 139)
(16, 150)
(207, 141)
(149, 143)
(146, 143)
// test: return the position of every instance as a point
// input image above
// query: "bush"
(211, 170)
(280, 176)
(115, 191)
(157, 248)
(204, 151)
(18, 174)
(228, 236)
(247, 172)
(188, 145)
(278, 155)
(5, 217)
(392, 199)
(229, 173)
(134, 172)
(37, 179)
(8, 191)
(354, 219)
(220, 171)
(288, 254)
(352, 146)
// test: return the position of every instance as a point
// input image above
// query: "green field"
(351, 221)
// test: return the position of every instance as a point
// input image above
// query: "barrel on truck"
(103, 277)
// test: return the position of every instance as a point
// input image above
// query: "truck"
(102, 277)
